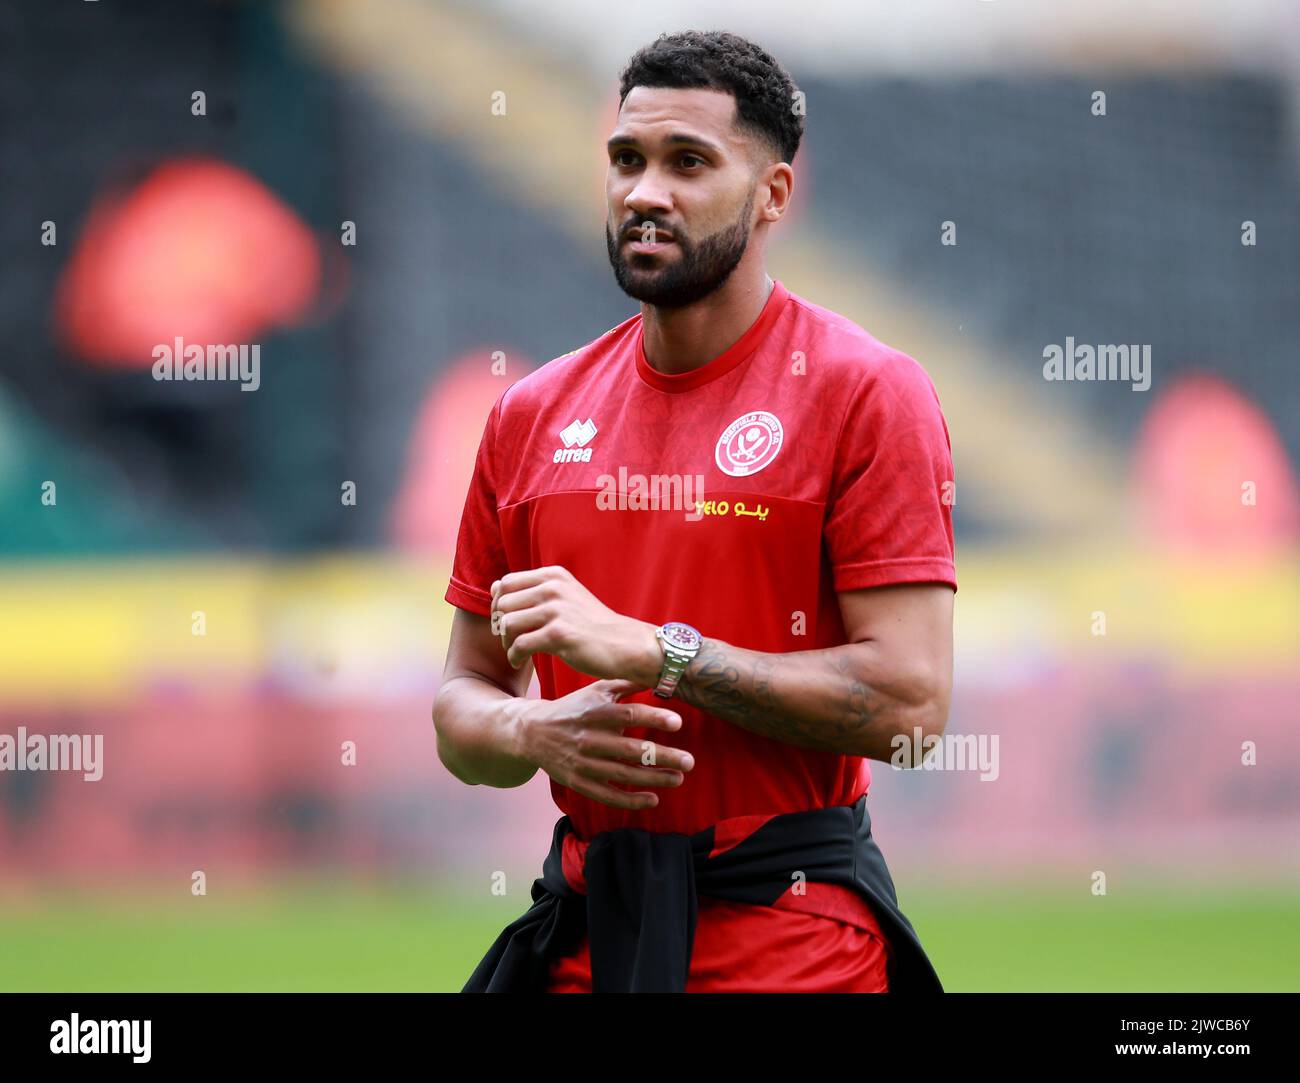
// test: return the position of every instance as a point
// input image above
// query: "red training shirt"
(740, 497)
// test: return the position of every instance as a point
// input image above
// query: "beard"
(698, 271)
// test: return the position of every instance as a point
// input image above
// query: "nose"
(649, 198)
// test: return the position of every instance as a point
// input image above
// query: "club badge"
(748, 444)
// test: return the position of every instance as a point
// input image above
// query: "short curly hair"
(764, 92)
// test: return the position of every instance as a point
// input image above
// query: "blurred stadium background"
(478, 236)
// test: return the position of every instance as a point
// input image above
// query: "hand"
(547, 611)
(578, 741)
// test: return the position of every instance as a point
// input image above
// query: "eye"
(694, 157)
(621, 154)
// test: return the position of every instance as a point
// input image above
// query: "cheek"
(615, 212)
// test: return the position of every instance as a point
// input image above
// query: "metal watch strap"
(675, 663)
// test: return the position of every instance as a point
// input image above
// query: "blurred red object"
(199, 250)
(1212, 474)
(444, 443)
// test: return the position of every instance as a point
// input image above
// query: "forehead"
(651, 114)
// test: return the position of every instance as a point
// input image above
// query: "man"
(716, 667)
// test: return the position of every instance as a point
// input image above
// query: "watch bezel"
(681, 636)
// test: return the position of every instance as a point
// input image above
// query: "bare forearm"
(842, 699)
(477, 726)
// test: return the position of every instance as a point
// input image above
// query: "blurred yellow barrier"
(99, 631)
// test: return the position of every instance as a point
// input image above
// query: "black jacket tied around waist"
(643, 891)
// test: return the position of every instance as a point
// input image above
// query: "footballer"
(716, 672)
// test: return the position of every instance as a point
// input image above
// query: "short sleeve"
(889, 509)
(480, 547)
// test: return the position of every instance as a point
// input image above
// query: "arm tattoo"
(812, 699)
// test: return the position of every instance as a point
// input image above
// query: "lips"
(645, 248)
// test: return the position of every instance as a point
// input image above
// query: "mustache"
(639, 227)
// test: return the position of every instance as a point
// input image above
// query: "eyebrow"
(677, 138)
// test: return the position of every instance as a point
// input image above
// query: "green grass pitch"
(316, 937)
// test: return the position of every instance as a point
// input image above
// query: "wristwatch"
(680, 643)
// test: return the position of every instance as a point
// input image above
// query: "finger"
(513, 581)
(608, 795)
(646, 753)
(615, 688)
(522, 647)
(524, 620)
(513, 601)
(624, 715)
(625, 774)
(513, 625)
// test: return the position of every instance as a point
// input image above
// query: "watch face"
(682, 636)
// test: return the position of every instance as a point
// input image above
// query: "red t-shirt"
(740, 497)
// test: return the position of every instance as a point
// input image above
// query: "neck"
(678, 340)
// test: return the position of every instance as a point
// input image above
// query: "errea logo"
(575, 436)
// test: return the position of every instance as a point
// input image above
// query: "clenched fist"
(547, 611)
